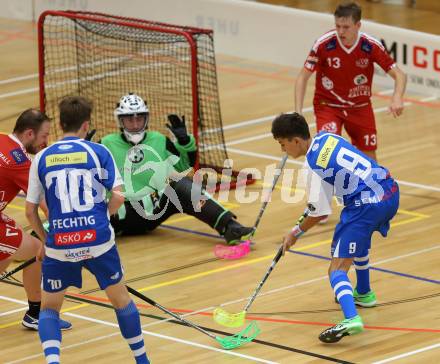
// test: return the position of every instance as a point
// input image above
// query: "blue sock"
(362, 267)
(50, 335)
(130, 326)
(344, 292)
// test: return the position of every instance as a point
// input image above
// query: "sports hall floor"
(175, 265)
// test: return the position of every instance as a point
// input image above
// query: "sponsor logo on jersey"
(331, 45)
(366, 200)
(75, 237)
(7, 249)
(135, 155)
(65, 146)
(327, 151)
(70, 158)
(311, 61)
(311, 207)
(327, 83)
(4, 217)
(73, 222)
(77, 255)
(2, 203)
(360, 79)
(4, 158)
(18, 155)
(362, 62)
(366, 46)
(315, 147)
(362, 90)
(115, 276)
(330, 127)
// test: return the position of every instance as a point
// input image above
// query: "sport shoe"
(346, 327)
(365, 300)
(235, 233)
(31, 323)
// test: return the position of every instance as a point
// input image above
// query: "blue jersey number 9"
(354, 163)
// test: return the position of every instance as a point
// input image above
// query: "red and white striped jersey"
(14, 169)
(344, 76)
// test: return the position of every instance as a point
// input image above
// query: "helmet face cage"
(145, 116)
(132, 105)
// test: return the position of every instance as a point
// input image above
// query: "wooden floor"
(175, 264)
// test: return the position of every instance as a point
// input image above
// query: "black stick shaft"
(90, 135)
(160, 307)
(260, 285)
(17, 269)
(272, 266)
(275, 180)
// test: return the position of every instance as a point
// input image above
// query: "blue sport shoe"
(31, 323)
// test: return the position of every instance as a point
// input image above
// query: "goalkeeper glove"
(178, 128)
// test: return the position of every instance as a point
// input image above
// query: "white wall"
(260, 32)
(17, 9)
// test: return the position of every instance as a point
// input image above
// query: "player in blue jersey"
(74, 176)
(370, 197)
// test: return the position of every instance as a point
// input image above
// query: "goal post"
(103, 57)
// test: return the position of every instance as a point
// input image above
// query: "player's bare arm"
(291, 237)
(36, 224)
(396, 105)
(43, 207)
(300, 88)
(116, 200)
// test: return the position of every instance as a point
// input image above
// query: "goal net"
(103, 57)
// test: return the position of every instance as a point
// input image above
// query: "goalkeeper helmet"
(132, 105)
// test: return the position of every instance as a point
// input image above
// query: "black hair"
(30, 119)
(74, 111)
(349, 9)
(289, 126)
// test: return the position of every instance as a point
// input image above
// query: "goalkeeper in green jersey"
(155, 187)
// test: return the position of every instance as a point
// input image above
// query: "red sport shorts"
(358, 122)
(10, 237)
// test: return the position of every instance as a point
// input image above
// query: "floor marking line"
(13, 311)
(409, 353)
(170, 338)
(372, 266)
(245, 299)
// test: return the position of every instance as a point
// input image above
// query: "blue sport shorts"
(352, 237)
(58, 276)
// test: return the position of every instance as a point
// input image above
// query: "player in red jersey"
(344, 63)
(30, 135)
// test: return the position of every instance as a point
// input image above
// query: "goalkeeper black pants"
(206, 209)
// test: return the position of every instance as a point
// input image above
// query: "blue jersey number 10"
(68, 186)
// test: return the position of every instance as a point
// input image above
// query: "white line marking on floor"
(409, 353)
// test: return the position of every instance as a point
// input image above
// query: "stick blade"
(232, 252)
(243, 337)
(227, 319)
